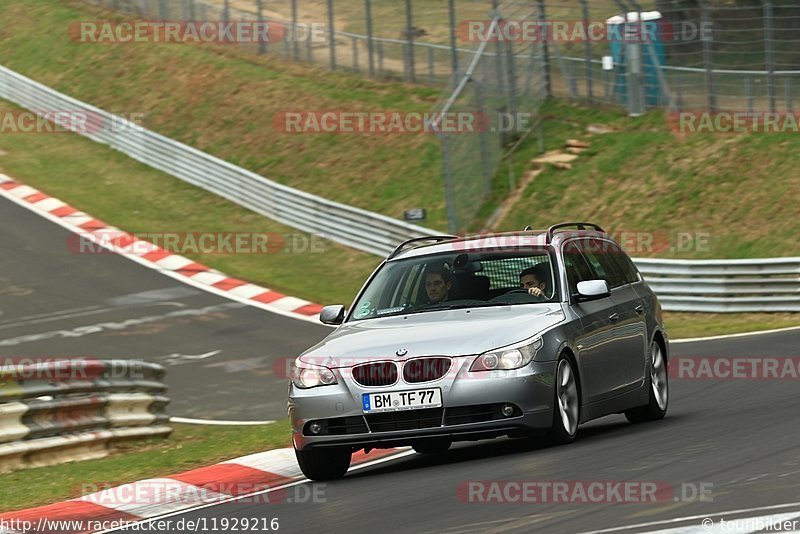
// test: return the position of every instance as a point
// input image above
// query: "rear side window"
(577, 268)
(624, 263)
(599, 255)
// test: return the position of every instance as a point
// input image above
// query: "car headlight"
(306, 376)
(507, 358)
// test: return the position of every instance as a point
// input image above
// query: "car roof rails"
(435, 238)
(580, 226)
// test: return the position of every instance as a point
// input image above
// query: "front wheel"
(566, 406)
(656, 408)
(324, 463)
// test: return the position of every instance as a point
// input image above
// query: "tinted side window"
(624, 263)
(598, 254)
(577, 268)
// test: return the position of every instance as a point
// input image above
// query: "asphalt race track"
(224, 359)
(737, 439)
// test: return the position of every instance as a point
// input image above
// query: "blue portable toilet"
(625, 38)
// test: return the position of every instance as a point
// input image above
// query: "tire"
(566, 404)
(324, 463)
(658, 396)
(432, 446)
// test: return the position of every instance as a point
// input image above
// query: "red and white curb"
(149, 255)
(238, 478)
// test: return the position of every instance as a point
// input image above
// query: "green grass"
(736, 193)
(691, 325)
(189, 447)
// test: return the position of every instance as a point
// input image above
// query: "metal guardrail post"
(587, 52)
(769, 54)
(788, 88)
(708, 57)
(541, 15)
(355, 54)
(331, 36)
(370, 43)
(410, 41)
(451, 10)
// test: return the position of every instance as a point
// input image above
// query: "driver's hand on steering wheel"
(536, 292)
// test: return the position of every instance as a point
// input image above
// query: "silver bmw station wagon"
(451, 339)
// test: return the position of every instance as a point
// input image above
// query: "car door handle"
(639, 308)
(614, 317)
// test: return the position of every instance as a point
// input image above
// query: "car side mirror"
(333, 315)
(592, 290)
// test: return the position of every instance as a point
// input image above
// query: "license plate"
(393, 401)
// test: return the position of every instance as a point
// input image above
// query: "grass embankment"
(225, 100)
(189, 447)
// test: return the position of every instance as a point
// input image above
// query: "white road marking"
(694, 517)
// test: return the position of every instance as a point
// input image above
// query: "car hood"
(446, 333)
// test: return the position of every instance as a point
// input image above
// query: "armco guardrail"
(64, 410)
(361, 229)
(682, 285)
(767, 285)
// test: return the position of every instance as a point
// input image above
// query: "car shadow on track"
(589, 435)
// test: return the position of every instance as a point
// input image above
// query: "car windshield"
(458, 280)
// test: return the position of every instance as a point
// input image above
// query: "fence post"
(483, 139)
(748, 90)
(262, 44)
(451, 8)
(355, 54)
(310, 45)
(410, 41)
(788, 88)
(370, 49)
(587, 51)
(769, 54)
(163, 10)
(449, 197)
(512, 80)
(192, 16)
(501, 76)
(545, 50)
(295, 43)
(226, 12)
(380, 56)
(331, 36)
(707, 57)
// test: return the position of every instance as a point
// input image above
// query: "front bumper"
(470, 409)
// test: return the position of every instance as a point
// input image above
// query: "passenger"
(536, 280)
(438, 283)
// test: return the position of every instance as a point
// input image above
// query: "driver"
(535, 278)
(438, 283)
